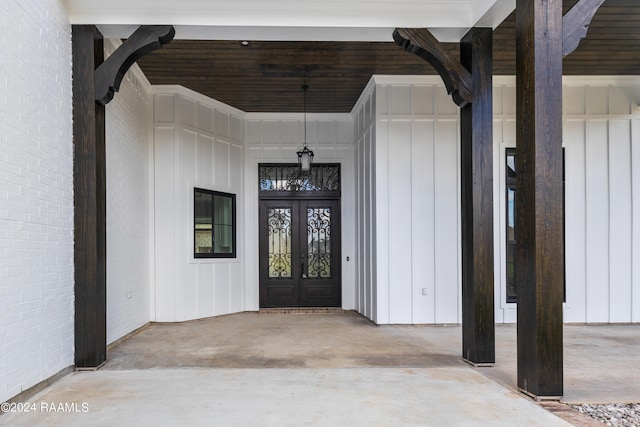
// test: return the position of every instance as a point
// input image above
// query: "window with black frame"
(214, 224)
(511, 224)
(511, 232)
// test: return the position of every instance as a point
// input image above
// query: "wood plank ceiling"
(267, 76)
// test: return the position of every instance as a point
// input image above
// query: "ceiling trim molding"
(429, 80)
(298, 116)
(196, 96)
(601, 80)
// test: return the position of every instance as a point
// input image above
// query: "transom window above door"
(287, 177)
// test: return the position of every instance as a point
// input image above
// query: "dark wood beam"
(476, 130)
(421, 42)
(145, 39)
(575, 24)
(539, 223)
(90, 251)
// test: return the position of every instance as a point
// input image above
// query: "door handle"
(303, 275)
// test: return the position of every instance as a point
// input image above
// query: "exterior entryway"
(299, 253)
(299, 222)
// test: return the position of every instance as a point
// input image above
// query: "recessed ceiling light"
(245, 43)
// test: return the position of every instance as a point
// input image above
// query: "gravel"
(618, 414)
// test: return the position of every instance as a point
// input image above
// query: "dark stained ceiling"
(267, 76)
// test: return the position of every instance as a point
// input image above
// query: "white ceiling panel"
(301, 19)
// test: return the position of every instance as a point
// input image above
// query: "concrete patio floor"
(252, 369)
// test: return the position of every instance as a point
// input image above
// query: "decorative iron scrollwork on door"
(319, 242)
(279, 223)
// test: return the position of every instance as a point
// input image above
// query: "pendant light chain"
(305, 156)
(304, 91)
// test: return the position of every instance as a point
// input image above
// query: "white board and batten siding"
(399, 151)
(599, 115)
(407, 163)
(407, 150)
(366, 272)
(602, 158)
(198, 142)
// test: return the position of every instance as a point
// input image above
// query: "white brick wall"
(36, 194)
(128, 192)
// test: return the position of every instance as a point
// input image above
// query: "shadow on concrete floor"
(251, 340)
(600, 361)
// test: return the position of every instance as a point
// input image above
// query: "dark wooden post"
(90, 201)
(539, 253)
(476, 130)
(95, 82)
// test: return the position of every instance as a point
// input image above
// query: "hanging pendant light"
(305, 156)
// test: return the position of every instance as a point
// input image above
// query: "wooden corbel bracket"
(110, 73)
(575, 24)
(456, 77)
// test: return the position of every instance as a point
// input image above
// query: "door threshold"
(302, 310)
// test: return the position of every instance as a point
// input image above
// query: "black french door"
(300, 253)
